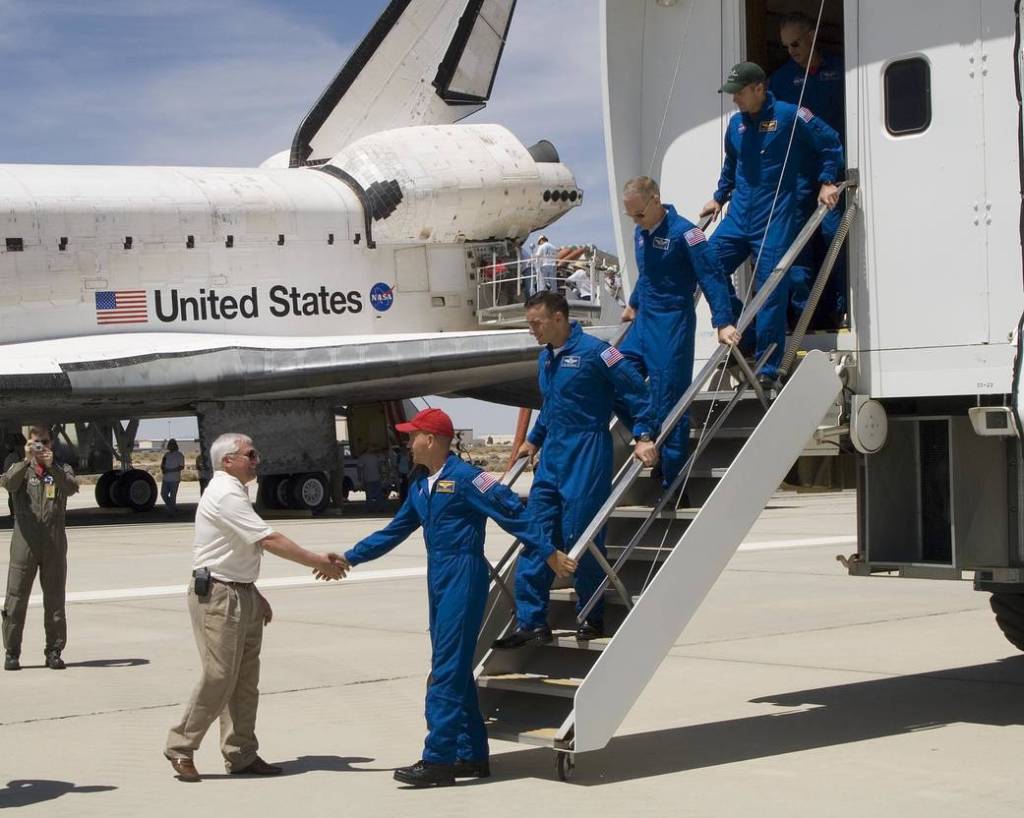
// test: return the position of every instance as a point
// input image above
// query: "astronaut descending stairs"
(572, 696)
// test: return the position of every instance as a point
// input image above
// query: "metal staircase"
(665, 548)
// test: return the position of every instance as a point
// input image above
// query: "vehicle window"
(908, 96)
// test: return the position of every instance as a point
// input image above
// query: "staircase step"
(642, 553)
(567, 639)
(537, 736)
(725, 395)
(643, 512)
(707, 474)
(531, 683)
(742, 432)
(611, 596)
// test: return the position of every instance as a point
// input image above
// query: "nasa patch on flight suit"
(768, 126)
(445, 487)
(571, 361)
(661, 243)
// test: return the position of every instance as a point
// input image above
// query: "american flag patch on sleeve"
(611, 356)
(694, 236)
(805, 114)
(484, 482)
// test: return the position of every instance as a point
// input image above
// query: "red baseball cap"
(429, 420)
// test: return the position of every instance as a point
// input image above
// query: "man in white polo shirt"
(228, 612)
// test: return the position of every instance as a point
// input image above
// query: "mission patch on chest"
(445, 487)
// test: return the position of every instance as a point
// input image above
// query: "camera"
(37, 446)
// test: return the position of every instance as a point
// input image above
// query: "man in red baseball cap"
(434, 421)
(452, 500)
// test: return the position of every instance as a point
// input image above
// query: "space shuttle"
(343, 269)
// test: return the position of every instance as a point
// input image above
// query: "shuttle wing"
(428, 62)
(159, 374)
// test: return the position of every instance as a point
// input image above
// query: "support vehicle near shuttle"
(344, 270)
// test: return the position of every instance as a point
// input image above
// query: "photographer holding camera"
(39, 489)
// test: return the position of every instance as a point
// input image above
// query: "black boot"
(11, 662)
(53, 660)
(524, 636)
(588, 631)
(425, 774)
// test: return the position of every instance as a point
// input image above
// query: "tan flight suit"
(39, 544)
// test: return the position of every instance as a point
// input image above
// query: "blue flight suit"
(755, 149)
(453, 516)
(824, 93)
(581, 386)
(672, 259)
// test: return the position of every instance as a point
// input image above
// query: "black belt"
(233, 584)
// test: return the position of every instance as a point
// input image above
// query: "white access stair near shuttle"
(664, 553)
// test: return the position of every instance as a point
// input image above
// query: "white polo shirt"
(227, 531)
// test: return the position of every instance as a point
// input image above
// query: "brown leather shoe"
(259, 767)
(185, 769)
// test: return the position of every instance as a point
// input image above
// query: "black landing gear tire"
(1009, 611)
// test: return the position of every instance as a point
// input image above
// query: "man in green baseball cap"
(768, 144)
(740, 76)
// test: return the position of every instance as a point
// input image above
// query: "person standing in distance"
(582, 379)
(171, 466)
(228, 613)
(452, 500)
(39, 489)
(672, 258)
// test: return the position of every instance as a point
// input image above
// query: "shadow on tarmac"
(989, 694)
(101, 663)
(312, 764)
(23, 792)
(105, 663)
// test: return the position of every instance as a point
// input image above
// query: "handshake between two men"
(335, 566)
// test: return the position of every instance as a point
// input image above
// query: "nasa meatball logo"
(381, 297)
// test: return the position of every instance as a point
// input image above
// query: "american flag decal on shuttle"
(121, 307)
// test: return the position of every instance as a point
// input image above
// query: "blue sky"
(226, 82)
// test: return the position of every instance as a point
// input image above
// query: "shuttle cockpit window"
(908, 96)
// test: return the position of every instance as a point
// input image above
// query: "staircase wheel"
(565, 765)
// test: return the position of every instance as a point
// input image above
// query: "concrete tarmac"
(796, 690)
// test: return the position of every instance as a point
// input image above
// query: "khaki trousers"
(228, 628)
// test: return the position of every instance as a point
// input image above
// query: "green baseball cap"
(740, 76)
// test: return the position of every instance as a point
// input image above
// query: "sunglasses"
(642, 213)
(252, 454)
(796, 43)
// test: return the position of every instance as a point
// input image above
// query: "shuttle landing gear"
(309, 491)
(127, 487)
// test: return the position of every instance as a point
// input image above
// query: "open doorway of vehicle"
(772, 34)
